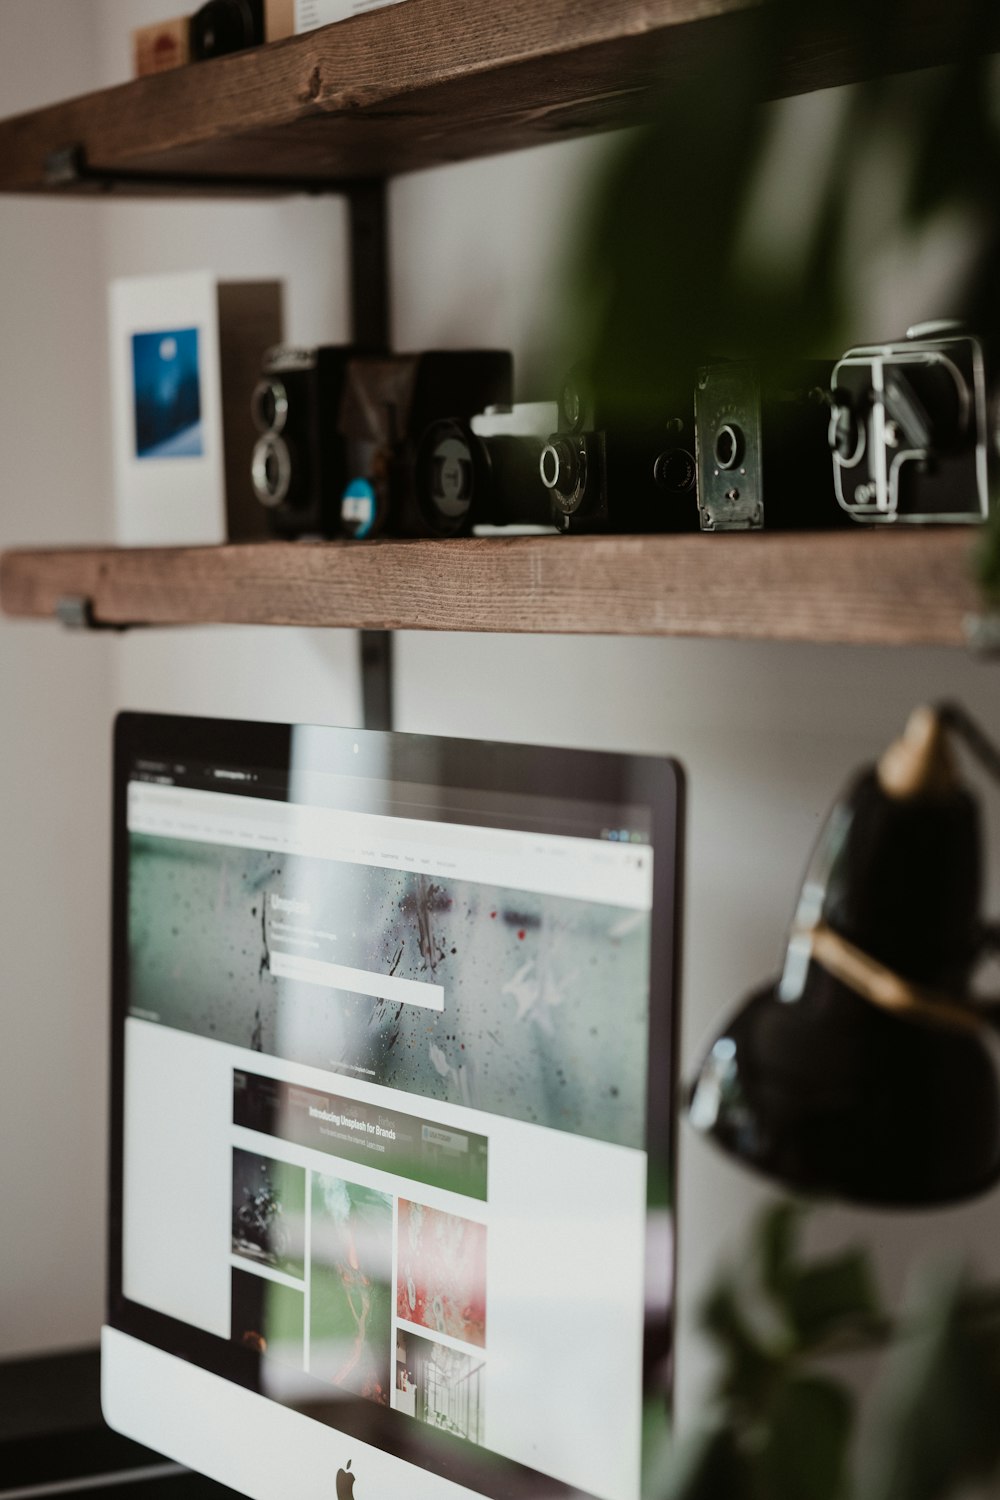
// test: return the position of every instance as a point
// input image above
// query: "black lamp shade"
(816, 1084)
(831, 1095)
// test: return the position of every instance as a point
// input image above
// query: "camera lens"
(571, 404)
(269, 405)
(557, 466)
(847, 431)
(451, 477)
(562, 466)
(222, 26)
(675, 470)
(728, 446)
(271, 470)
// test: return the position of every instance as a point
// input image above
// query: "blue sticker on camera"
(358, 508)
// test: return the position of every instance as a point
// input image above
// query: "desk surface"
(52, 1433)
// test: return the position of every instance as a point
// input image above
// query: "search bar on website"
(358, 981)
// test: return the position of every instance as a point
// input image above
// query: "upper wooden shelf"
(859, 587)
(429, 82)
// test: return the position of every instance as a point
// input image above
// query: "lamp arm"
(956, 718)
(883, 987)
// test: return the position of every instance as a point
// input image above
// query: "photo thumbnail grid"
(364, 1289)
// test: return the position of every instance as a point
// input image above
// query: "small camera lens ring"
(562, 468)
(269, 405)
(271, 470)
(675, 471)
(728, 446)
(550, 464)
(848, 434)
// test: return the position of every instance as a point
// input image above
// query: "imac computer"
(392, 1110)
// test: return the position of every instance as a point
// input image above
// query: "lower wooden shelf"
(861, 587)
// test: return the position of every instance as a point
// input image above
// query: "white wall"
(55, 692)
(768, 733)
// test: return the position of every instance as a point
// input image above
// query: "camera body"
(910, 430)
(608, 468)
(299, 466)
(762, 450)
(484, 473)
(389, 402)
(222, 26)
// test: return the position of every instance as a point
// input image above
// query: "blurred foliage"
(781, 1426)
(675, 263)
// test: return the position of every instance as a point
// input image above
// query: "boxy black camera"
(762, 453)
(389, 402)
(609, 468)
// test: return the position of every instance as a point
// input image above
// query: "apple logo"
(345, 1483)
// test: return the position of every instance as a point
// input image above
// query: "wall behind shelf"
(54, 801)
(768, 733)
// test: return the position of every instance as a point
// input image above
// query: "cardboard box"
(290, 17)
(157, 48)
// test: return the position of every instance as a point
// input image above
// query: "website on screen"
(385, 1113)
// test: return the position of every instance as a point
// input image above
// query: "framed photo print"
(185, 353)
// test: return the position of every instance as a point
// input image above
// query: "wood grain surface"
(428, 82)
(861, 587)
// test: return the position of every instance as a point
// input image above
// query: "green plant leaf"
(805, 1453)
(706, 1466)
(748, 1367)
(777, 1240)
(939, 1406)
(832, 1298)
(820, 1301)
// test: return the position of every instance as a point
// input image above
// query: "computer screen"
(392, 1100)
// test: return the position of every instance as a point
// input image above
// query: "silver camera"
(911, 432)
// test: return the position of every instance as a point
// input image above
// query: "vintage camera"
(222, 26)
(298, 469)
(611, 468)
(911, 431)
(389, 402)
(484, 473)
(762, 453)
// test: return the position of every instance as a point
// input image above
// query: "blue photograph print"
(167, 387)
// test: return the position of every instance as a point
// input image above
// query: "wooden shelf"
(430, 82)
(859, 587)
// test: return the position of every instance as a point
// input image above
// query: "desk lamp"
(867, 1071)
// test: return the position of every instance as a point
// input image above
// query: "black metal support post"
(369, 252)
(376, 678)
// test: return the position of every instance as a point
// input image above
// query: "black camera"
(299, 467)
(484, 473)
(762, 452)
(912, 431)
(389, 402)
(222, 26)
(610, 468)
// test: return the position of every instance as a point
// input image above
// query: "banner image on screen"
(394, 1024)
